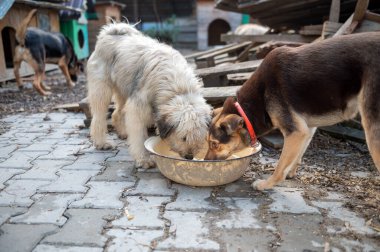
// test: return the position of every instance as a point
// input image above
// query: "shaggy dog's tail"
(21, 30)
(117, 29)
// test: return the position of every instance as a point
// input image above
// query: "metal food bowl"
(199, 172)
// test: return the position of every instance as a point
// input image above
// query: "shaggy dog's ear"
(164, 128)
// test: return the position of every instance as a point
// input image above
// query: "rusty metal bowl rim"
(149, 147)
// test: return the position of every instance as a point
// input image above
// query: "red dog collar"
(247, 123)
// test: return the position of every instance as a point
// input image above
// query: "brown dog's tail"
(21, 30)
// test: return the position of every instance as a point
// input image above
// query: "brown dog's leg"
(62, 64)
(293, 172)
(43, 85)
(37, 83)
(16, 67)
(369, 110)
(294, 144)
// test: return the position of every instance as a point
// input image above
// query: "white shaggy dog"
(152, 84)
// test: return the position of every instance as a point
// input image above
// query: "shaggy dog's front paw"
(261, 185)
(146, 164)
(122, 135)
(104, 146)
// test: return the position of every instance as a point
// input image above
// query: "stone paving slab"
(21, 237)
(58, 193)
(83, 228)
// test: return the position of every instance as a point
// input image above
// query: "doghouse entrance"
(9, 43)
(215, 29)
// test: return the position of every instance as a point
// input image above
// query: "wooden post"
(334, 11)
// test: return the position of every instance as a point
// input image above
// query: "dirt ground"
(329, 165)
(13, 101)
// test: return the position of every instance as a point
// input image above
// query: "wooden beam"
(267, 37)
(343, 29)
(247, 66)
(334, 11)
(372, 16)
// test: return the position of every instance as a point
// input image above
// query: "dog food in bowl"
(199, 172)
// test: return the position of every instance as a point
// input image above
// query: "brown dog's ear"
(216, 111)
(229, 106)
(232, 124)
(244, 135)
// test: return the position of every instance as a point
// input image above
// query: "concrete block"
(290, 200)
(143, 212)
(103, 195)
(48, 209)
(188, 232)
(19, 237)
(117, 172)
(151, 184)
(191, 198)
(83, 228)
(18, 192)
(132, 240)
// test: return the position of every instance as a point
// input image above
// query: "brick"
(191, 198)
(132, 240)
(38, 147)
(19, 237)
(5, 151)
(60, 248)
(305, 230)
(117, 172)
(6, 174)
(241, 214)
(7, 212)
(151, 184)
(84, 227)
(94, 158)
(21, 159)
(189, 232)
(145, 212)
(337, 211)
(25, 138)
(43, 170)
(79, 166)
(18, 192)
(103, 195)
(69, 181)
(65, 152)
(47, 210)
(290, 200)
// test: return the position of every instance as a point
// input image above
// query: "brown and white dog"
(38, 47)
(299, 89)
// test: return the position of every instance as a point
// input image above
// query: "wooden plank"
(334, 11)
(213, 94)
(273, 139)
(198, 54)
(224, 50)
(267, 37)
(344, 133)
(344, 27)
(360, 10)
(248, 66)
(374, 17)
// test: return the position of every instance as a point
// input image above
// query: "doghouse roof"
(5, 5)
(290, 14)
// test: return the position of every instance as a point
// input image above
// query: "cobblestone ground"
(57, 193)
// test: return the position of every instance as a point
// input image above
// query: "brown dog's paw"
(261, 185)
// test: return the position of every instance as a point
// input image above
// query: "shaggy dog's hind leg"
(139, 118)
(99, 97)
(118, 116)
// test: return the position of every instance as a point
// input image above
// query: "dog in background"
(299, 89)
(151, 84)
(38, 47)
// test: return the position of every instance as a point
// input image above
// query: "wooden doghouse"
(105, 11)
(47, 18)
